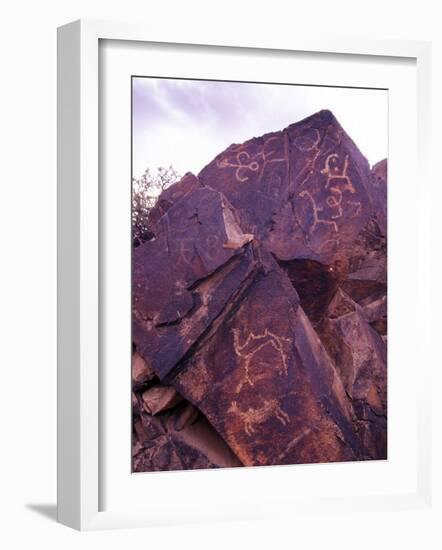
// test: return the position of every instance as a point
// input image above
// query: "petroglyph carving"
(338, 174)
(294, 442)
(333, 244)
(211, 241)
(334, 172)
(358, 207)
(245, 164)
(186, 250)
(334, 202)
(308, 141)
(316, 209)
(212, 249)
(254, 343)
(253, 417)
(266, 153)
(242, 163)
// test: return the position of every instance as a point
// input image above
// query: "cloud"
(187, 122)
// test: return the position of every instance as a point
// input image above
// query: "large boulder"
(259, 306)
(304, 191)
(265, 382)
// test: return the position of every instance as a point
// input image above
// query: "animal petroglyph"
(253, 417)
(245, 164)
(248, 348)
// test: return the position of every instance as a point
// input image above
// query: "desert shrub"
(145, 193)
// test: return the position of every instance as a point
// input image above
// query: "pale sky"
(186, 123)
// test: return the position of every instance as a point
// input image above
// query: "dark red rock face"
(265, 382)
(308, 186)
(259, 308)
(359, 354)
(184, 277)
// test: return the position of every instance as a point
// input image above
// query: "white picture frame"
(79, 271)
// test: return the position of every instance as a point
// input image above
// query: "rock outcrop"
(259, 308)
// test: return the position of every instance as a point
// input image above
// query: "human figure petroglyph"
(254, 343)
(334, 172)
(338, 175)
(316, 209)
(252, 417)
(245, 164)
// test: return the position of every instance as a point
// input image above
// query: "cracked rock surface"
(260, 308)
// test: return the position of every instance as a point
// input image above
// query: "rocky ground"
(260, 308)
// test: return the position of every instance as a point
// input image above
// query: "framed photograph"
(235, 221)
